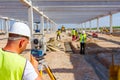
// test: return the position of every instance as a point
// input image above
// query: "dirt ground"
(73, 66)
(66, 66)
(105, 46)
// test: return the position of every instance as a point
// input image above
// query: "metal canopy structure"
(16, 10)
(13, 9)
(76, 11)
(60, 11)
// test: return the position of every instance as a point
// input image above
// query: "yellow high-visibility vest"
(73, 32)
(83, 38)
(58, 32)
(11, 66)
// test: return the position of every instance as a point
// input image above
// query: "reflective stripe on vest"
(11, 66)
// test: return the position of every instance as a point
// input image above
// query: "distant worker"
(63, 29)
(76, 34)
(12, 65)
(58, 34)
(83, 38)
(73, 34)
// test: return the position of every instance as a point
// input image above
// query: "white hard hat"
(83, 32)
(20, 29)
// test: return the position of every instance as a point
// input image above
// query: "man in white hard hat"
(12, 65)
(83, 38)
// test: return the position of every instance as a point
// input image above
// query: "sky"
(103, 21)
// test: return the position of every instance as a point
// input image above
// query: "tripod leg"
(49, 71)
(41, 69)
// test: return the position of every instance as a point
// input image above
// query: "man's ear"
(21, 43)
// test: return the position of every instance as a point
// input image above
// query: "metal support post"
(47, 26)
(50, 27)
(2, 26)
(90, 25)
(82, 26)
(97, 24)
(35, 26)
(43, 35)
(30, 21)
(6, 27)
(9, 24)
(85, 26)
(111, 29)
(42, 25)
(54, 27)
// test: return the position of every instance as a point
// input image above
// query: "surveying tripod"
(43, 66)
